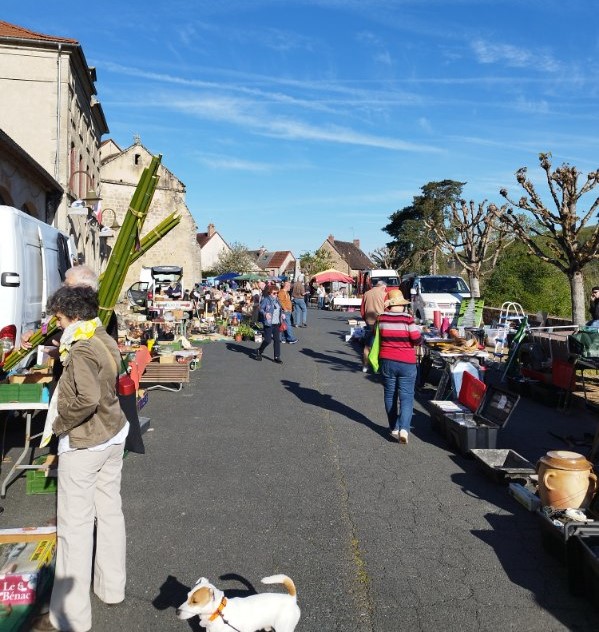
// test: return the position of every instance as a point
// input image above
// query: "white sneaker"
(395, 434)
(364, 369)
(403, 436)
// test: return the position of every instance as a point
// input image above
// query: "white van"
(435, 292)
(34, 257)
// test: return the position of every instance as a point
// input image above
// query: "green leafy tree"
(319, 260)
(535, 284)
(559, 223)
(237, 259)
(417, 248)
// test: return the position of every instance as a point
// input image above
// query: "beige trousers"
(89, 488)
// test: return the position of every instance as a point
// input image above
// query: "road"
(257, 468)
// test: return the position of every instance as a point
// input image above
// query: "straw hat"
(395, 297)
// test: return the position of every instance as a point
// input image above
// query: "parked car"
(434, 292)
(151, 282)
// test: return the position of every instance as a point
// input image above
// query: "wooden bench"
(162, 375)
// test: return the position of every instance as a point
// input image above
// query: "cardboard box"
(26, 571)
(168, 358)
(34, 377)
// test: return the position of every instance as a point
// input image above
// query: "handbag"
(373, 354)
(283, 326)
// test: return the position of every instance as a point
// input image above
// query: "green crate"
(24, 393)
(37, 482)
(9, 393)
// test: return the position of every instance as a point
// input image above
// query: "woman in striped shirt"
(399, 336)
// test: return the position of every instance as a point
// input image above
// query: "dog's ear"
(201, 596)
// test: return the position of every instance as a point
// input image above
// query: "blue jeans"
(320, 302)
(271, 334)
(300, 313)
(399, 379)
(288, 334)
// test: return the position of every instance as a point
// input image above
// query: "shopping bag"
(373, 355)
(283, 326)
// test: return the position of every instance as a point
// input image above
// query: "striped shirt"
(399, 335)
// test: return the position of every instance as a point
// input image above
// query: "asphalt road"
(257, 468)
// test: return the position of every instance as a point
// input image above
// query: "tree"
(566, 248)
(237, 259)
(473, 235)
(311, 263)
(384, 257)
(536, 285)
(417, 248)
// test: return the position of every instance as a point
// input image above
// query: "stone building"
(121, 171)
(346, 255)
(49, 108)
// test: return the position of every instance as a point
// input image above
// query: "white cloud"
(513, 56)
(233, 164)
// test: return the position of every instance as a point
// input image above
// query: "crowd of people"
(91, 428)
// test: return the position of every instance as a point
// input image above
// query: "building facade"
(121, 171)
(347, 257)
(49, 108)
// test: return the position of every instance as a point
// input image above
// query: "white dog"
(266, 611)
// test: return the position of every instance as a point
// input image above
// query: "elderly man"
(285, 299)
(373, 304)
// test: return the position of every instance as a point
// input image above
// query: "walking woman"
(92, 429)
(271, 316)
(399, 336)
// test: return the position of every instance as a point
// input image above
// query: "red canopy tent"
(331, 274)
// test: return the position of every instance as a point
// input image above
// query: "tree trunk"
(474, 285)
(578, 303)
(434, 261)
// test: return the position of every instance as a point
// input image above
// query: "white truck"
(368, 279)
(34, 257)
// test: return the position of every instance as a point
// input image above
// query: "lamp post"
(90, 196)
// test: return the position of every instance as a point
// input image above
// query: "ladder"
(511, 313)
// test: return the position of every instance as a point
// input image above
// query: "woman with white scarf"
(92, 429)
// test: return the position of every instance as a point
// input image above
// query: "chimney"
(211, 230)
(357, 243)
(331, 239)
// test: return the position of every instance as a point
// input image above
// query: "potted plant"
(246, 331)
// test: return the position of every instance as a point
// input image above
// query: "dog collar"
(219, 611)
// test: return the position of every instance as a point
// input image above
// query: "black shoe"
(258, 356)
(278, 361)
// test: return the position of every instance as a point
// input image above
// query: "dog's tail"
(281, 579)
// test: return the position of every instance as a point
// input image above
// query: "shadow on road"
(519, 552)
(326, 401)
(173, 593)
(335, 359)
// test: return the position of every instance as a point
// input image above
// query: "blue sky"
(290, 120)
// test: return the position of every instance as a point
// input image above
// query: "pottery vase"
(566, 480)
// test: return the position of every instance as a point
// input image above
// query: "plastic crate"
(481, 429)
(555, 538)
(36, 481)
(583, 564)
(24, 393)
(503, 465)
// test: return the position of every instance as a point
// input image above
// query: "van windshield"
(439, 285)
(390, 281)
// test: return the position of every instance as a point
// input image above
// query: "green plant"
(246, 330)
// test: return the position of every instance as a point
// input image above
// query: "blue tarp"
(226, 276)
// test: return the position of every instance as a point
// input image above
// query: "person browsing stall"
(373, 304)
(399, 337)
(91, 427)
(285, 301)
